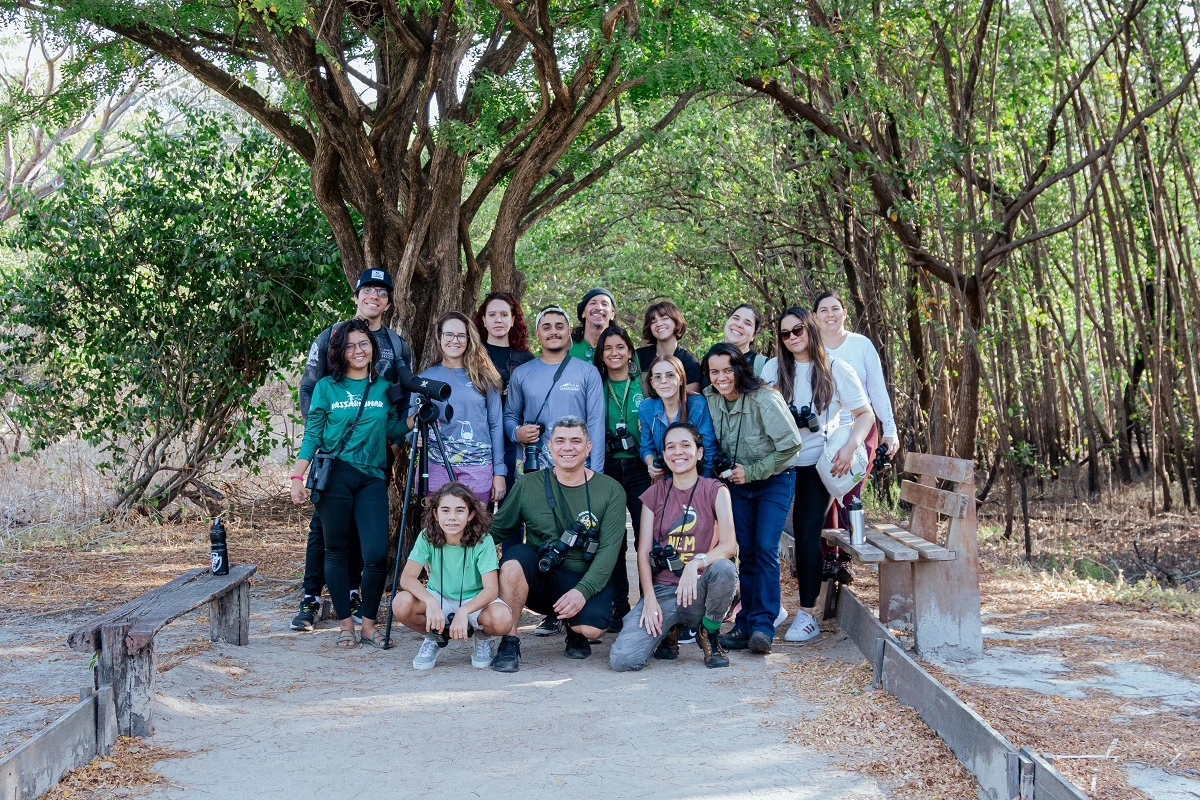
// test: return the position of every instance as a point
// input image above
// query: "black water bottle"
(220, 553)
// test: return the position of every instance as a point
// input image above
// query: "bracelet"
(297, 477)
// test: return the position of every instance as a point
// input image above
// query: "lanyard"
(621, 404)
(442, 571)
(667, 496)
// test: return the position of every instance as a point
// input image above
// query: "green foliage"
(162, 291)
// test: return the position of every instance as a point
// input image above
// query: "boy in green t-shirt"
(460, 556)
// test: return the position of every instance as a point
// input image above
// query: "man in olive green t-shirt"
(566, 497)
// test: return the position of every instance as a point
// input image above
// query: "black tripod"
(427, 422)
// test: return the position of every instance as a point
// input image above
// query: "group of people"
(706, 455)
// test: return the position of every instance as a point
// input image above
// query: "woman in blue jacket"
(666, 382)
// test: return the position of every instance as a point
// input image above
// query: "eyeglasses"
(378, 291)
(362, 347)
(447, 336)
(663, 377)
(797, 331)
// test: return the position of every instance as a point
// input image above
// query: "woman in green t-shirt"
(462, 594)
(622, 440)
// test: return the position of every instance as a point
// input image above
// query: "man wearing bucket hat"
(596, 311)
(372, 298)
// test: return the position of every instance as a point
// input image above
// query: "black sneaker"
(549, 626)
(710, 645)
(687, 635)
(309, 608)
(508, 655)
(356, 607)
(759, 642)
(734, 640)
(578, 645)
(668, 648)
(844, 576)
(829, 568)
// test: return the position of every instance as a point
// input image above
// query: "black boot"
(668, 648)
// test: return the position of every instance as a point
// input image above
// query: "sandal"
(347, 640)
(374, 640)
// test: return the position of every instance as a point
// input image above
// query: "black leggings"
(354, 499)
(808, 517)
(631, 473)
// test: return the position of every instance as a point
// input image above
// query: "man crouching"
(574, 524)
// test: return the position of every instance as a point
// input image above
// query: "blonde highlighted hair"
(480, 371)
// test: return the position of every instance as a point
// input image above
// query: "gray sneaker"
(484, 652)
(427, 656)
(550, 626)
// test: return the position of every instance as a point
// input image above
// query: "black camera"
(659, 463)
(722, 464)
(531, 451)
(882, 461)
(805, 418)
(621, 440)
(551, 554)
(665, 557)
(445, 634)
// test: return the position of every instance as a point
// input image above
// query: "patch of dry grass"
(129, 769)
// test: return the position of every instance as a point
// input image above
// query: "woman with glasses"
(472, 436)
(758, 438)
(351, 419)
(668, 402)
(820, 390)
(622, 438)
(501, 325)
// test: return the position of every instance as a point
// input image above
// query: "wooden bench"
(928, 578)
(123, 639)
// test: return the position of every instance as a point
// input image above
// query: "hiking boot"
(356, 607)
(427, 656)
(484, 652)
(734, 640)
(687, 635)
(578, 645)
(710, 645)
(829, 568)
(759, 642)
(309, 608)
(668, 648)
(844, 576)
(508, 655)
(549, 626)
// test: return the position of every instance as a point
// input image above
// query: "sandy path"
(267, 721)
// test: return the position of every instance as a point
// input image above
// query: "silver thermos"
(855, 513)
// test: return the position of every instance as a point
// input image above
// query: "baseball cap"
(374, 277)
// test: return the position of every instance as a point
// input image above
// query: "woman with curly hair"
(351, 419)
(501, 326)
(462, 594)
(472, 436)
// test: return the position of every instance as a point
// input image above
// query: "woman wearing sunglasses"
(818, 389)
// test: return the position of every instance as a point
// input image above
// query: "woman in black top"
(662, 327)
(501, 325)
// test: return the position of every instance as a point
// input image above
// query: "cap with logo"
(374, 277)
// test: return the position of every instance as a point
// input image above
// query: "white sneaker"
(427, 656)
(484, 652)
(804, 627)
(782, 616)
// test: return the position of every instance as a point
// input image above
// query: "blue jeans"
(759, 511)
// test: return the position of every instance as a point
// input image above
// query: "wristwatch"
(701, 556)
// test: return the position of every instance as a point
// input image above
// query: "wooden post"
(131, 676)
(229, 616)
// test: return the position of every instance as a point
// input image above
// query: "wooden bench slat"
(958, 470)
(894, 550)
(185, 596)
(950, 504)
(865, 553)
(929, 551)
(86, 639)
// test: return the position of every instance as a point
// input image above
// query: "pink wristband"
(297, 477)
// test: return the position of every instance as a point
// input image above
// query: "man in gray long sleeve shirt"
(535, 397)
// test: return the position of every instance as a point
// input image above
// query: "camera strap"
(550, 497)
(666, 497)
(553, 385)
(350, 432)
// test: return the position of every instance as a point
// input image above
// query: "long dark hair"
(476, 528)
(335, 353)
(598, 356)
(821, 375)
(744, 378)
(518, 335)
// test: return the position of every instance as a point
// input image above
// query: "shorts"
(449, 606)
(545, 588)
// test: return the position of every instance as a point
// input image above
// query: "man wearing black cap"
(372, 298)
(596, 311)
